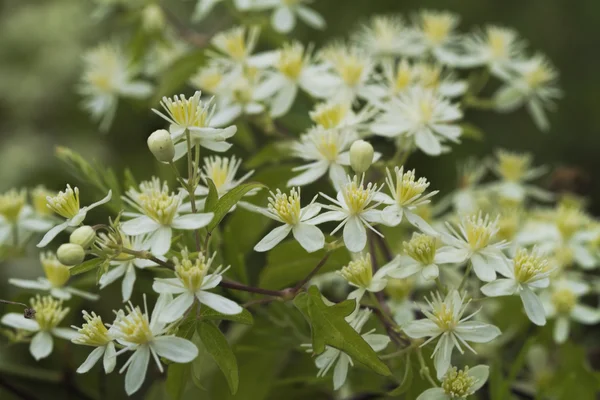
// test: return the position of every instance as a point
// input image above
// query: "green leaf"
(407, 378)
(85, 266)
(243, 318)
(329, 328)
(229, 200)
(177, 377)
(212, 198)
(216, 344)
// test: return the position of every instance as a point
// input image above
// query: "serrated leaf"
(212, 198)
(218, 347)
(329, 328)
(243, 318)
(85, 266)
(177, 377)
(229, 200)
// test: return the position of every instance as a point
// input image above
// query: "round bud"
(70, 254)
(83, 236)
(161, 145)
(361, 156)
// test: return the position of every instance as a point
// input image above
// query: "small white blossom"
(496, 47)
(94, 334)
(436, 35)
(458, 384)
(286, 12)
(359, 274)
(383, 36)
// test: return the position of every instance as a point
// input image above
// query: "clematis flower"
(286, 12)
(458, 384)
(297, 220)
(436, 35)
(445, 321)
(359, 273)
(191, 284)
(383, 36)
(93, 333)
(17, 216)
(57, 276)
(66, 204)
(157, 214)
(49, 313)
(530, 270)
(497, 48)
(147, 336)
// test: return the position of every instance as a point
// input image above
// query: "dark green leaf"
(212, 198)
(177, 377)
(216, 344)
(329, 328)
(85, 266)
(229, 200)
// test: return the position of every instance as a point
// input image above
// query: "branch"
(312, 273)
(240, 286)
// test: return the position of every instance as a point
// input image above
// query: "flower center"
(65, 204)
(93, 332)
(349, 63)
(407, 188)
(512, 166)
(48, 312)
(404, 77)
(133, 327)
(569, 220)
(356, 196)
(187, 112)
(38, 200)
(208, 79)
(564, 300)
(359, 272)
(11, 204)
(429, 75)
(479, 230)
(103, 67)
(399, 288)
(329, 115)
(191, 272)
(291, 61)
(529, 265)
(56, 273)
(421, 248)
(426, 109)
(220, 170)
(242, 91)
(499, 42)
(458, 383)
(538, 76)
(156, 202)
(438, 26)
(287, 207)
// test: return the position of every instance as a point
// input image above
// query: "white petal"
(309, 236)
(283, 20)
(128, 282)
(500, 287)
(533, 306)
(421, 328)
(177, 307)
(219, 303)
(161, 241)
(449, 255)
(273, 238)
(428, 143)
(316, 171)
(192, 221)
(585, 315)
(169, 285)
(91, 360)
(65, 333)
(51, 234)
(283, 100)
(112, 275)
(156, 324)
(419, 223)
(310, 17)
(482, 269)
(327, 217)
(478, 332)
(175, 349)
(355, 235)
(18, 321)
(561, 329)
(337, 175)
(226, 115)
(139, 226)
(41, 345)
(340, 372)
(481, 374)
(27, 284)
(136, 372)
(405, 271)
(99, 202)
(377, 341)
(110, 358)
(433, 394)
(310, 211)
(443, 356)
(430, 272)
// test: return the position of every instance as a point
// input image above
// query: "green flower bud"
(361, 156)
(70, 254)
(161, 145)
(83, 236)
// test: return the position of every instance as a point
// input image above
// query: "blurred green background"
(41, 43)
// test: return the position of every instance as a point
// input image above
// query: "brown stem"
(240, 286)
(312, 273)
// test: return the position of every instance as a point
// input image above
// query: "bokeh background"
(42, 41)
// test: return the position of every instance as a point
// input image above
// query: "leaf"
(212, 198)
(216, 344)
(243, 318)
(85, 266)
(329, 328)
(177, 377)
(229, 200)
(407, 378)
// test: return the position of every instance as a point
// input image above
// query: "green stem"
(191, 186)
(466, 277)
(425, 369)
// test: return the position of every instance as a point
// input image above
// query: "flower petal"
(273, 238)
(421, 328)
(533, 306)
(110, 358)
(136, 372)
(51, 234)
(91, 360)
(481, 374)
(219, 303)
(175, 349)
(585, 315)
(500, 287)
(128, 282)
(309, 236)
(283, 20)
(177, 307)
(41, 345)
(478, 332)
(317, 170)
(482, 268)
(161, 241)
(18, 321)
(192, 221)
(427, 142)
(433, 394)
(139, 226)
(340, 372)
(377, 341)
(443, 355)
(561, 329)
(355, 235)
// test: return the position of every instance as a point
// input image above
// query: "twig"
(312, 273)
(240, 286)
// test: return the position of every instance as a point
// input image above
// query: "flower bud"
(161, 145)
(70, 254)
(361, 156)
(83, 236)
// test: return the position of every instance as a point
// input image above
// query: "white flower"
(423, 116)
(531, 82)
(124, 265)
(562, 303)
(445, 320)
(108, 74)
(338, 115)
(353, 206)
(515, 171)
(157, 214)
(359, 273)
(496, 47)
(407, 195)
(48, 314)
(204, 7)
(435, 34)
(147, 336)
(57, 276)
(458, 384)
(292, 71)
(287, 209)
(383, 36)
(192, 283)
(341, 360)
(327, 151)
(422, 256)
(529, 270)
(94, 334)
(236, 44)
(16, 216)
(286, 12)
(194, 117)
(473, 241)
(66, 204)
(239, 97)
(465, 197)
